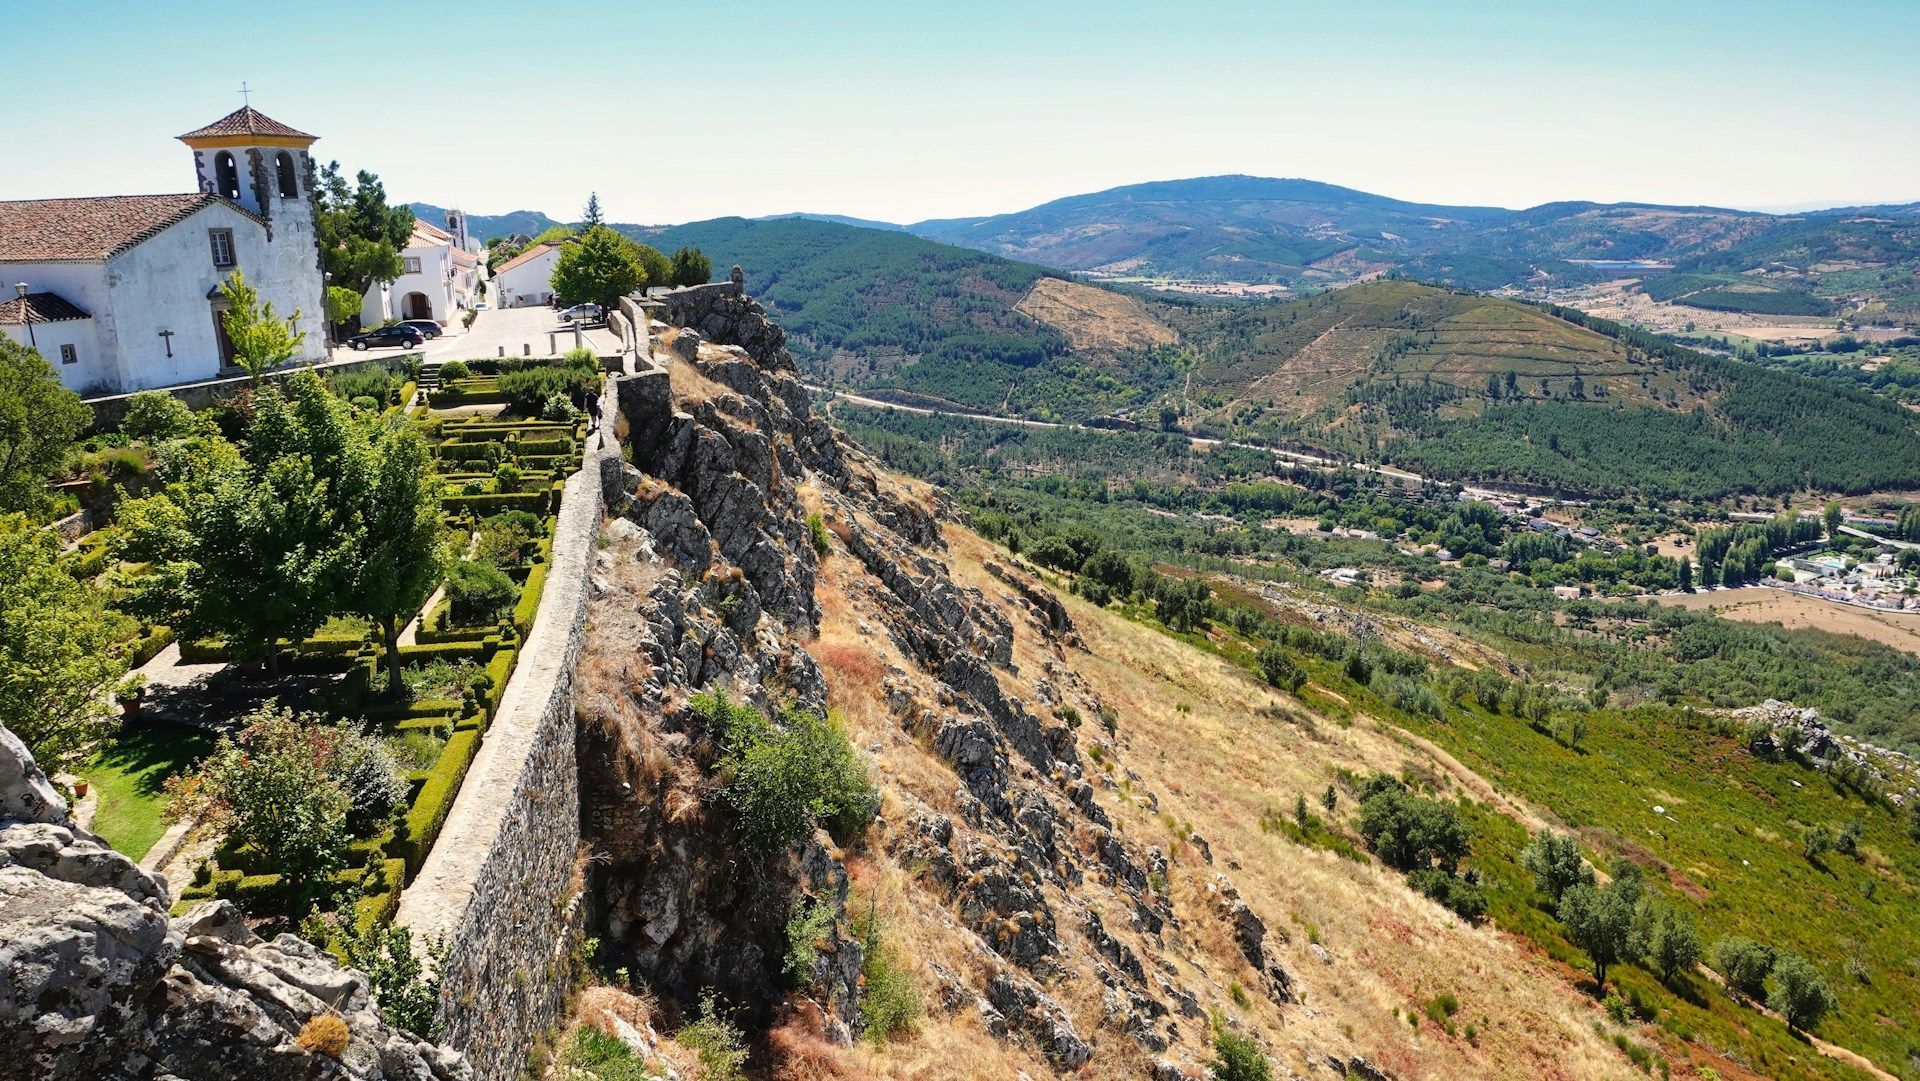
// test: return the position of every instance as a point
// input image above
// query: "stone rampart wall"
(499, 888)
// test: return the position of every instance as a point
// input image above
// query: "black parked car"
(425, 326)
(397, 334)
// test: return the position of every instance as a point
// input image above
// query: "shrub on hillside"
(1278, 668)
(783, 780)
(1408, 832)
(1237, 1057)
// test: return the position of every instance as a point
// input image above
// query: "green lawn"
(128, 776)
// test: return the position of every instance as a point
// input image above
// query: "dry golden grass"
(1093, 318)
(1232, 754)
(324, 1034)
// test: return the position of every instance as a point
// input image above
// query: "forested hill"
(1474, 387)
(1309, 235)
(882, 310)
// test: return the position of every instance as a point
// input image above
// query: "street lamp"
(26, 314)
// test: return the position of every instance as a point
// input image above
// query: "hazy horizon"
(898, 114)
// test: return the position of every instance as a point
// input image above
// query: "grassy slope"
(1727, 845)
(1218, 752)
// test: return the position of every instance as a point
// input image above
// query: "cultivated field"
(1759, 604)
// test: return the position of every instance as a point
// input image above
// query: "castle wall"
(500, 888)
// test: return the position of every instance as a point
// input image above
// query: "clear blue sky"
(902, 111)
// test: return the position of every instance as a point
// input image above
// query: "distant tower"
(257, 162)
(457, 225)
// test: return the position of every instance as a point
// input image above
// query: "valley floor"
(1762, 604)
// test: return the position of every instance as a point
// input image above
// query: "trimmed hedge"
(499, 670)
(488, 504)
(449, 651)
(204, 651)
(529, 602)
(391, 712)
(149, 646)
(382, 901)
(430, 807)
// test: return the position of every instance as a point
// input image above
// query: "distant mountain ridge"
(1309, 234)
(483, 226)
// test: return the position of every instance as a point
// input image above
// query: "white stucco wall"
(529, 283)
(447, 286)
(93, 368)
(164, 282)
(85, 285)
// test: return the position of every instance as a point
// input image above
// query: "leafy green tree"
(1600, 922)
(39, 419)
(1554, 859)
(1800, 994)
(1743, 964)
(1278, 668)
(359, 234)
(1408, 832)
(691, 267)
(600, 269)
(1668, 941)
(261, 339)
(1832, 516)
(269, 542)
(270, 787)
(342, 304)
(401, 555)
(59, 657)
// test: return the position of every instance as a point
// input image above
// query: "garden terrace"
(501, 485)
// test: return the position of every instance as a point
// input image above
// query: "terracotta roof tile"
(433, 233)
(45, 308)
(247, 120)
(524, 256)
(89, 229)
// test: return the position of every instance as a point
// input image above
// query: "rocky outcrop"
(708, 581)
(96, 982)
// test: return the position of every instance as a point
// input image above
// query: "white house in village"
(441, 279)
(122, 292)
(527, 278)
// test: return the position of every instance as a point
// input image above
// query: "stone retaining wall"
(499, 887)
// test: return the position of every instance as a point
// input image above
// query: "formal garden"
(363, 559)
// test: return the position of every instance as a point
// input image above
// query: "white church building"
(122, 292)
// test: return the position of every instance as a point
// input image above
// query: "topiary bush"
(454, 369)
(477, 592)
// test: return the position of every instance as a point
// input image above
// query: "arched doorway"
(415, 306)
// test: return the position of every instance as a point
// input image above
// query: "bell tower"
(256, 162)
